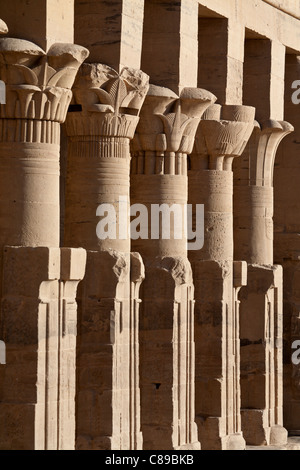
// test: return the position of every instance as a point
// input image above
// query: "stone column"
(261, 308)
(37, 98)
(254, 193)
(38, 317)
(164, 138)
(222, 135)
(106, 108)
(261, 311)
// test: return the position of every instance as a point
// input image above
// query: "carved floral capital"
(223, 134)
(109, 102)
(260, 153)
(38, 84)
(167, 128)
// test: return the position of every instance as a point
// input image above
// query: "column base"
(278, 436)
(236, 442)
(192, 446)
(258, 433)
(212, 435)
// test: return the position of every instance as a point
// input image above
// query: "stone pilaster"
(261, 299)
(99, 126)
(38, 320)
(164, 138)
(38, 326)
(222, 135)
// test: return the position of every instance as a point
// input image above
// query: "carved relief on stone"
(166, 132)
(38, 87)
(110, 102)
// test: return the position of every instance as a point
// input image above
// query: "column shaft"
(261, 318)
(108, 399)
(165, 135)
(38, 381)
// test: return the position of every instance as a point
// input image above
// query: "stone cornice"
(291, 7)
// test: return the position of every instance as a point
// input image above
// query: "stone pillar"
(44, 22)
(261, 308)
(164, 138)
(261, 299)
(168, 22)
(38, 326)
(105, 116)
(265, 90)
(221, 56)
(112, 31)
(38, 317)
(222, 135)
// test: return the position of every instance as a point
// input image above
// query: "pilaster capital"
(169, 122)
(137, 268)
(38, 84)
(179, 269)
(109, 102)
(223, 134)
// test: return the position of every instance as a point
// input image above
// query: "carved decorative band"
(29, 131)
(101, 147)
(28, 102)
(159, 163)
(101, 124)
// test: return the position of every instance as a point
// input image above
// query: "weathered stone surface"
(174, 345)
